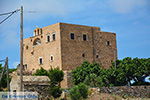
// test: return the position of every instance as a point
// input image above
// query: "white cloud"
(126, 6)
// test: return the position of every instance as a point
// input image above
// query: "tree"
(131, 69)
(41, 72)
(85, 72)
(3, 82)
(56, 76)
(125, 70)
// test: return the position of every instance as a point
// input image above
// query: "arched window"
(40, 60)
(54, 36)
(38, 31)
(48, 38)
(41, 31)
(51, 58)
(37, 41)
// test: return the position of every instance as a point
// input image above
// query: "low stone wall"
(41, 89)
(125, 91)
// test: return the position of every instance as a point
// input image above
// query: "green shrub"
(79, 91)
(41, 72)
(55, 91)
(75, 93)
(83, 89)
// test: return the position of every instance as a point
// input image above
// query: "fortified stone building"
(66, 46)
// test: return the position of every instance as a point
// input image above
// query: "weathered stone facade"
(66, 46)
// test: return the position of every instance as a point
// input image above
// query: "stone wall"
(42, 90)
(125, 91)
(32, 53)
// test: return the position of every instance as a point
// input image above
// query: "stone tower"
(66, 46)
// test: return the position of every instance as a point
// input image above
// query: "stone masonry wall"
(41, 89)
(45, 50)
(125, 91)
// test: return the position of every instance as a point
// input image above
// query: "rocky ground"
(105, 96)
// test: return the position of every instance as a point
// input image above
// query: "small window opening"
(108, 43)
(97, 56)
(72, 36)
(51, 58)
(40, 61)
(84, 37)
(32, 52)
(41, 31)
(27, 47)
(54, 37)
(83, 55)
(48, 38)
(38, 31)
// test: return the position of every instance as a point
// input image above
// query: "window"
(83, 55)
(41, 31)
(38, 31)
(51, 58)
(108, 43)
(37, 41)
(32, 52)
(84, 37)
(72, 36)
(54, 37)
(48, 38)
(97, 56)
(40, 60)
(27, 47)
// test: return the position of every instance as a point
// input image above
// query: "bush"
(41, 72)
(75, 93)
(55, 76)
(79, 91)
(55, 91)
(83, 89)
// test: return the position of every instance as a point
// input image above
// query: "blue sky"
(129, 19)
